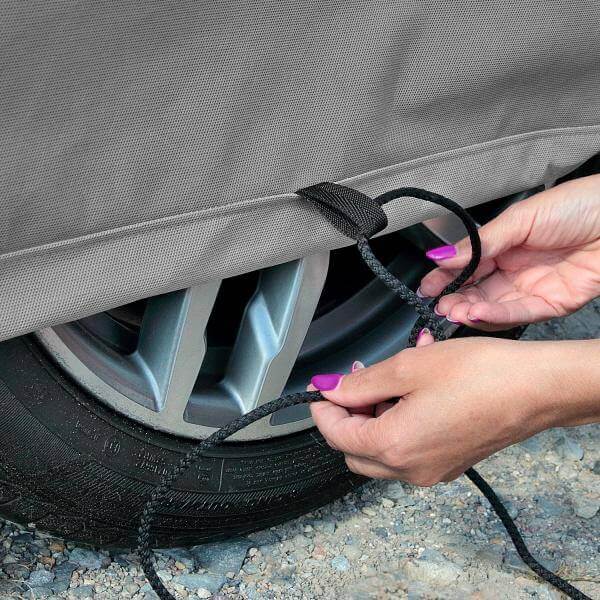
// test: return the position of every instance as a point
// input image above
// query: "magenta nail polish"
(441, 252)
(327, 382)
(420, 294)
(423, 332)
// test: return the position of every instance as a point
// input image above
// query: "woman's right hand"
(540, 259)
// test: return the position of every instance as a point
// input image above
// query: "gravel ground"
(389, 540)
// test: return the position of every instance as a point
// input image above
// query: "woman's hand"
(541, 259)
(459, 401)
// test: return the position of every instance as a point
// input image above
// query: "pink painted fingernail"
(327, 382)
(423, 332)
(357, 366)
(449, 318)
(420, 294)
(441, 252)
(475, 320)
(437, 312)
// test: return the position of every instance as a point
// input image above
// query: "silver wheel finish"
(157, 384)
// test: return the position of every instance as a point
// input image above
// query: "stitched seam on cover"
(233, 207)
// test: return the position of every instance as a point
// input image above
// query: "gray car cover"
(146, 146)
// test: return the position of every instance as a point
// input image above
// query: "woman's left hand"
(458, 402)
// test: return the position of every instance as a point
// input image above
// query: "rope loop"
(359, 217)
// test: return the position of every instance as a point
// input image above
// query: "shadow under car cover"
(148, 146)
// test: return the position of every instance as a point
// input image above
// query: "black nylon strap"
(353, 213)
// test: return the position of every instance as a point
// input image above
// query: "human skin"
(461, 400)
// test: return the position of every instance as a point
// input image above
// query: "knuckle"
(393, 457)
(400, 364)
(331, 444)
(352, 465)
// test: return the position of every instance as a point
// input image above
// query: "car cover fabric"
(148, 146)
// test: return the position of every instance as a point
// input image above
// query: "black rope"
(360, 226)
(517, 539)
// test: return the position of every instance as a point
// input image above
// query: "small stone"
(132, 588)
(511, 509)
(585, 506)
(395, 491)
(9, 560)
(326, 526)
(222, 557)
(203, 593)
(340, 563)
(180, 555)
(432, 567)
(367, 510)
(352, 552)
(194, 581)
(40, 592)
(83, 591)
(88, 559)
(381, 532)
(250, 568)
(40, 577)
(569, 449)
(405, 502)
(387, 503)
(16, 571)
(164, 575)
(492, 555)
(513, 562)
(63, 577)
(266, 536)
(533, 445)
(57, 546)
(302, 541)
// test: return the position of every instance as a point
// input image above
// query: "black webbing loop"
(353, 213)
(359, 217)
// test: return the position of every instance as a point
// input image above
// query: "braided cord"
(426, 318)
(160, 492)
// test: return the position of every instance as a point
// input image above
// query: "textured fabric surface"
(147, 146)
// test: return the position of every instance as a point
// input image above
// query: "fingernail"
(441, 252)
(437, 312)
(474, 320)
(328, 382)
(424, 331)
(357, 366)
(420, 294)
(449, 318)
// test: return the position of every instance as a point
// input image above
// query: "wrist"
(568, 390)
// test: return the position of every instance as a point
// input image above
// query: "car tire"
(74, 468)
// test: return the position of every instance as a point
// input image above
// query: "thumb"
(371, 385)
(507, 230)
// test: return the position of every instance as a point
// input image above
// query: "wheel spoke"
(273, 329)
(172, 345)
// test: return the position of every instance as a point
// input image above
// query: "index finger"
(349, 433)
